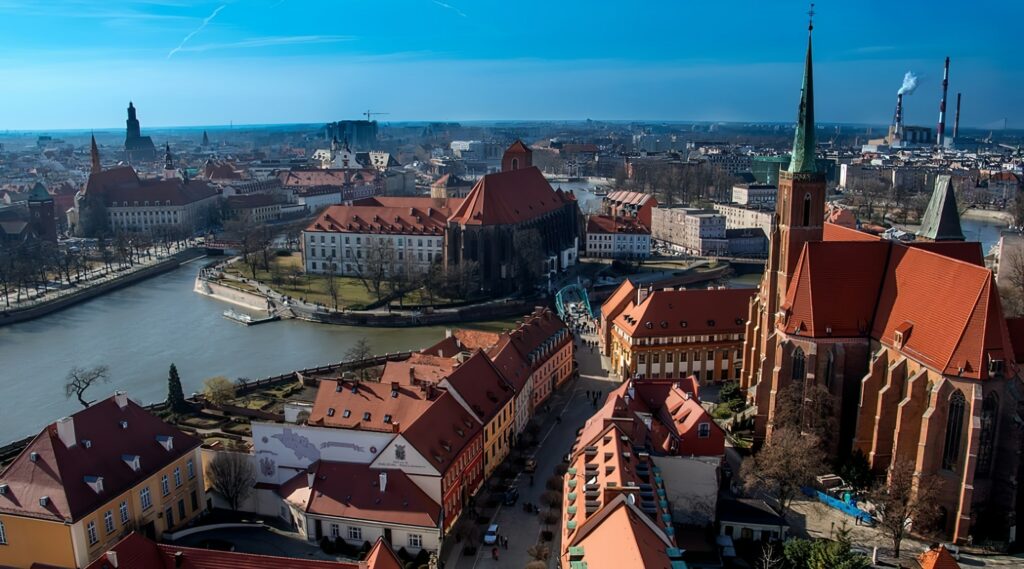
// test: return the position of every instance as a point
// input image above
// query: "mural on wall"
(283, 449)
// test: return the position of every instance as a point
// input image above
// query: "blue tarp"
(848, 507)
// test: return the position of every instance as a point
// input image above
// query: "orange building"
(676, 333)
(88, 480)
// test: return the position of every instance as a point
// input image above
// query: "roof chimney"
(310, 477)
(383, 481)
(112, 559)
(66, 431)
(121, 397)
(179, 558)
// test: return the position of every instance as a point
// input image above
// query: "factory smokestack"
(897, 120)
(956, 119)
(942, 105)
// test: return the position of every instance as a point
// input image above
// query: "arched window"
(989, 415)
(807, 210)
(954, 428)
(830, 364)
(798, 365)
(515, 163)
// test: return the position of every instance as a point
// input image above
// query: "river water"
(140, 330)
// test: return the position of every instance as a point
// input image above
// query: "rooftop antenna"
(810, 18)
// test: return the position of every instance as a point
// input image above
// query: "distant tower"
(206, 139)
(169, 172)
(941, 220)
(134, 130)
(94, 153)
(42, 213)
(517, 157)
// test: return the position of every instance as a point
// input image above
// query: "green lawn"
(313, 288)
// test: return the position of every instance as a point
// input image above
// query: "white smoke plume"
(909, 84)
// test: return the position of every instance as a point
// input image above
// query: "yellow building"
(88, 480)
(672, 334)
(479, 387)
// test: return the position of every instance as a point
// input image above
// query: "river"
(140, 330)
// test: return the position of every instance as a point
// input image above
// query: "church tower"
(169, 172)
(800, 213)
(134, 130)
(94, 154)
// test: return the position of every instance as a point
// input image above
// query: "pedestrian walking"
(494, 553)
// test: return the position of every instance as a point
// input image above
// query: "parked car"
(511, 496)
(491, 536)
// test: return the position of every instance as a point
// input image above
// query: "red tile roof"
(331, 177)
(60, 473)
(451, 181)
(512, 365)
(479, 383)
(418, 369)
(344, 404)
(506, 198)
(615, 224)
(353, 491)
(953, 307)
(836, 232)
(614, 304)
(823, 270)
(121, 185)
(938, 558)
(622, 536)
(137, 552)
(442, 431)
(382, 219)
(687, 312)
(625, 197)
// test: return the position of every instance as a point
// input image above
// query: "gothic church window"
(954, 428)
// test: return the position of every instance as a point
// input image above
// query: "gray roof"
(941, 221)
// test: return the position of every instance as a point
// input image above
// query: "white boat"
(238, 316)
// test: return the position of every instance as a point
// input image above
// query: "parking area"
(263, 540)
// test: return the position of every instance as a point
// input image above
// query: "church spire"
(168, 159)
(802, 160)
(94, 153)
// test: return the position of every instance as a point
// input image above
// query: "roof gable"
(510, 197)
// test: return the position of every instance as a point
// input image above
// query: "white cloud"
(206, 22)
(267, 42)
(450, 7)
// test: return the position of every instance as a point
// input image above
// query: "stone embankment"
(87, 292)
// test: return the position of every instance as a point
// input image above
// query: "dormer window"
(387, 418)
(901, 334)
(330, 412)
(124, 425)
(346, 414)
(132, 460)
(366, 416)
(995, 366)
(166, 441)
(95, 482)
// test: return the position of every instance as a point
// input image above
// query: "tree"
(770, 558)
(529, 256)
(358, 352)
(80, 379)
(796, 552)
(788, 461)
(331, 284)
(826, 554)
(175, 395)
(809, 408)
(233, 476)
(856, 470)
(905, 501)
(218, 390)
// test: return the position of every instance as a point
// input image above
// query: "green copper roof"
(803, 140)
(39, 193)
(941, 221)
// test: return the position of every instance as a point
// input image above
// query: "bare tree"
(233, 476)
(331, 284)
(905, 501)
(811, 408)
(374, 269)
(770, 558)
(358, 352)
(80, 379)
(788, 461)
(218, 390)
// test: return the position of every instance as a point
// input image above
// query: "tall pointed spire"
(168, 159)
(94, 153)
(803, 141)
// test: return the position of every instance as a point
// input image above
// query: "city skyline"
(183, 63)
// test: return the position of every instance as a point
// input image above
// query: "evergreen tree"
(175, 396)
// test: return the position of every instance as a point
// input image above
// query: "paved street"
(522, 529)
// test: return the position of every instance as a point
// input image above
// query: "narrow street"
(522, 529)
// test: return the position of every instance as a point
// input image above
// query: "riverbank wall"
(998, 216)
(231, 295)
(498, 310)
(17, 315)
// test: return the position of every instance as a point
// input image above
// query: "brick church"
(909, 339)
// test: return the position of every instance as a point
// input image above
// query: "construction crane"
(370, 113)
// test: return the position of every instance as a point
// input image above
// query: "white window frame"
(165, 485)
(355, 533)
(415, 540)
(90, 531)
(123, 508)
(108, 521)
(146, 498)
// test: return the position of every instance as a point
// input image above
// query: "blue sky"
(76, 63)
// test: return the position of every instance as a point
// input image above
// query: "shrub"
(552, 498)
(327, 545)
(551, 517)
(561, 468)
(546, 535)
(554, 483)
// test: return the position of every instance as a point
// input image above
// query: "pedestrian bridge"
(569, 294)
